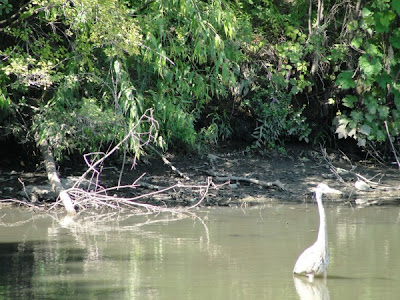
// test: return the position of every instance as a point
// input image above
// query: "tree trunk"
(317, 30)
(53, 177)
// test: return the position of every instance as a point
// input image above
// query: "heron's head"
(325, 189)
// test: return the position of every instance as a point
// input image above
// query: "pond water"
(217, 253)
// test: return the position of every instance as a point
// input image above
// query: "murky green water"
(214, 254)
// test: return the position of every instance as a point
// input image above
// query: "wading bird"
(315, 259)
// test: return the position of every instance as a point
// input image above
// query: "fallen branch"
(101, 200)
(87, 192)
(53, 177)
(114, 197)
(168, 163)
(223, 178)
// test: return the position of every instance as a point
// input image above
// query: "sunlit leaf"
(344, 80)
(357, 42)
(341, 131)
(366, 12)
(370, 67)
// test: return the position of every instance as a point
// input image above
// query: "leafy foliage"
(80, 74)
(373, 92)
(189, 59)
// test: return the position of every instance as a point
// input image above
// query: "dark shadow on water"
(21, 263)
(16, 270)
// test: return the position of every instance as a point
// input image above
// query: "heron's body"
(315, 259)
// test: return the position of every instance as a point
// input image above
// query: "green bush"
(277, 119)
(370, 89)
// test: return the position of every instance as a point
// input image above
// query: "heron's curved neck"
(323, 230)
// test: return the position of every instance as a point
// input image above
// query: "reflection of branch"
(18, 223)
(205, 228)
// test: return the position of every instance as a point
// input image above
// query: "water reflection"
(213, 254)
(315, 289)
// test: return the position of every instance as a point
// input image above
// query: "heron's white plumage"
(315, 259)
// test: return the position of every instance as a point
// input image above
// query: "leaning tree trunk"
(317, 30)
(53, 177)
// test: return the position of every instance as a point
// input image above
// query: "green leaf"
(352, 25)
(372, 50)
(369, 117)
(366, 12)
(357, 42)
(383, 112)
(384, 19)
(370, 67)
(382, 22)
(345, 81)
(383, 79)
(361, 142)
(397, 101)
(225, 71)
(371, 104)
(381, 136)
(365, 129)
(395, 38)
(349, 101)
(396, 6)
(357, 115)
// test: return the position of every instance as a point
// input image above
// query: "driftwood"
(87, 192)
(364, 191)
(96, 196)
(53, 177)
(377, 197)
(223, 178)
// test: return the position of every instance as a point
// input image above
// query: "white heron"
(315, 259)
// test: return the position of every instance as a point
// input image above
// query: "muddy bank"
(254, 179)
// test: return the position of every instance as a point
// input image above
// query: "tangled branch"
(88, 192)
